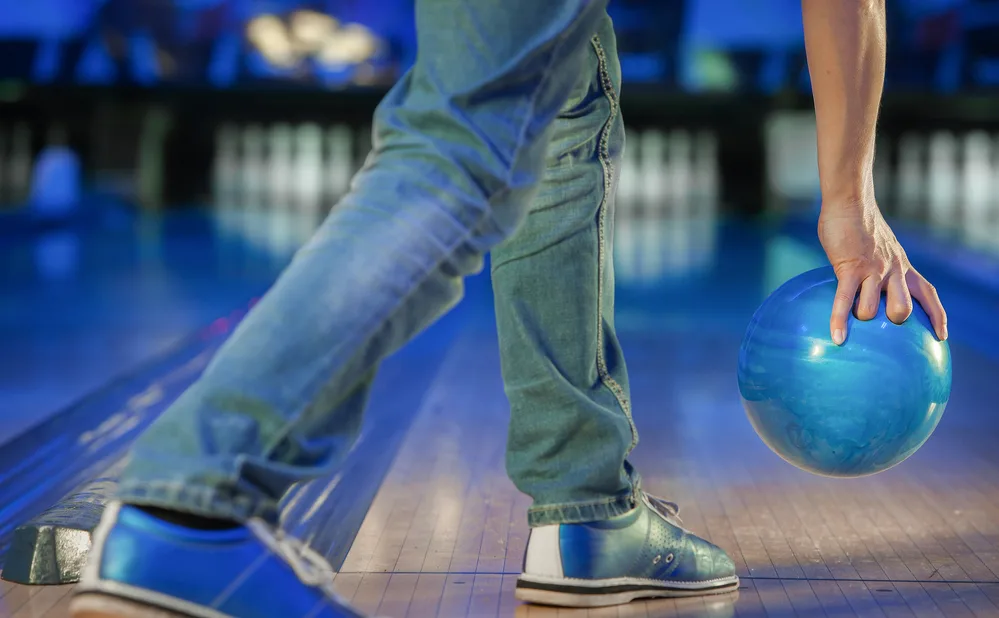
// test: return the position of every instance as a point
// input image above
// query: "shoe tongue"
(624, 519)
(670, 511)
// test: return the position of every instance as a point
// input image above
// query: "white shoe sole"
(97, 605)
(565, 592)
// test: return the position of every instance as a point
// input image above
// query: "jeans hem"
(594, 510)
(199, 500)
(582, 512)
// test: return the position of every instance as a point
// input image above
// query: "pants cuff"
(198, 500)
(583, 512)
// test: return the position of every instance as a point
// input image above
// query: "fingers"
(899, 301)
(846, 292)
(870, 285)
(926, 294)
(869, 299)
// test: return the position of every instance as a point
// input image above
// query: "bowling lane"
(446, 533)
(209, 264)
(83, 304)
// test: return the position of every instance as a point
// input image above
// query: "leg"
(596, 538)
(459, 152)
(564, 372)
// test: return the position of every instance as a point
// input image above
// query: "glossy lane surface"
(81, 305)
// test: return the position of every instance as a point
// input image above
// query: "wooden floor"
(34, 601)
(445, 535)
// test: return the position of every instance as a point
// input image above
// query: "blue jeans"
(504, 137)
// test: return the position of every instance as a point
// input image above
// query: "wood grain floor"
(34, 601)
(445, 535)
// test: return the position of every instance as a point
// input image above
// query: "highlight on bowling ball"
(840, 411)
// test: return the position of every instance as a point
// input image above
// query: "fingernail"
(838, 336)
(945, 334)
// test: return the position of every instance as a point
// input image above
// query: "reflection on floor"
(446, 532)
(79, 306)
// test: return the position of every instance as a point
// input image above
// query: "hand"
(866, 255)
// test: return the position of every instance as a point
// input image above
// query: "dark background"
(943, 46)
(140, 89)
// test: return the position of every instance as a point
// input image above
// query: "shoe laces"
(670, 511)
(310, 568)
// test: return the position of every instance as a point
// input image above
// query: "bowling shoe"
(142, 567)
(643, 553)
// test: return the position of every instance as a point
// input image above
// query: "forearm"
(845, 44)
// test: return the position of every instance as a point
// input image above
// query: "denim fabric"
(507, 123)
(563, 368)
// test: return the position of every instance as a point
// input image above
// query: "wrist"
(847, 195)
(847, 179)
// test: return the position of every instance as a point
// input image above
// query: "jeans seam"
(469, 232)
(603, 154)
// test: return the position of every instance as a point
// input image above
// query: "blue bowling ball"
(840, 411)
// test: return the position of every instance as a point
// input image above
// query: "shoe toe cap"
(706, 561)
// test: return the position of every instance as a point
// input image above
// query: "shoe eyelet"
(669, 558)
(658, 558)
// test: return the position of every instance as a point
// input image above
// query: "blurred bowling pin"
(280, 151)
(628, 190)
(339, 161)
(994, 207)
(626, 207)
(943, 182)
(791, 158)
(254, 167)
(56, 184)
(910, 185)
(652, 168)
(678, 164)
(308, 168)
(19, 163)
(978, 187)
(704, 189)
(226, 177)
